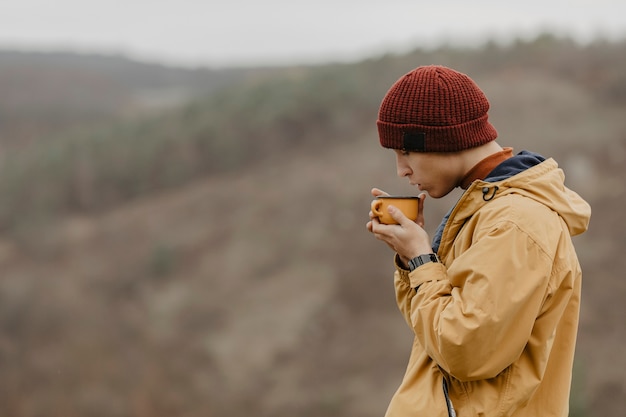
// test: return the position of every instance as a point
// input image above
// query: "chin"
(434, 194)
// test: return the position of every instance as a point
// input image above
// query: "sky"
(284, 32)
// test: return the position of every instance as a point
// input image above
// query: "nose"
(402, 169)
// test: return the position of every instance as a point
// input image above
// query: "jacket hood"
(541, 179)
(531, 175)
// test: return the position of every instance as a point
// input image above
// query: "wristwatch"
(421, 260)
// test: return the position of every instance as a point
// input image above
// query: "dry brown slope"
(261, 293)
(244, 287)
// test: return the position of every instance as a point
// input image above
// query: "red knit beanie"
(434, 109)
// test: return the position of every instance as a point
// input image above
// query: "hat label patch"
(414, 141)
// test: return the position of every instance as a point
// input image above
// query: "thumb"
(398, 215)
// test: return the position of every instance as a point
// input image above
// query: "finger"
(420, 209)
(379, 230)
(422, 198)
(376, 192)
(371, 225)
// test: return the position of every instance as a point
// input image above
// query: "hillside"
(213, 259)
(47, 93)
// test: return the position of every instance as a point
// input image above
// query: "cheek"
(428, 172)
(441, 181)
(421, 167)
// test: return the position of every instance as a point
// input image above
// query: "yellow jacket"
(495, 322)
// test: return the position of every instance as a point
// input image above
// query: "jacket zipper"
(451, 412)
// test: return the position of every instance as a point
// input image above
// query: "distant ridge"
(45, 93)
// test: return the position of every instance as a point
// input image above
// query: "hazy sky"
(226, 32)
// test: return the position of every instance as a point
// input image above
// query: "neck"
(478, 162)
(473, 156)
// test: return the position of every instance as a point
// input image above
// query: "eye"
(404, 152)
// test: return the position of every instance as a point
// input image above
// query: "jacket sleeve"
(475, 317)
(404, 291)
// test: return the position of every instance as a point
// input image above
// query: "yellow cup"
(406, 204)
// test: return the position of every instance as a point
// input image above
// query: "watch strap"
(421, 260)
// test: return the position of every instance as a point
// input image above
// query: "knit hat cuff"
(438, 138)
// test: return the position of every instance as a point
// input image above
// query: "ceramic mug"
(406, 204)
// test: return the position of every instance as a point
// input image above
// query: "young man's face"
(433, 172)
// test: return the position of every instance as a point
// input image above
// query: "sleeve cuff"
(403, 273)
(432, 271)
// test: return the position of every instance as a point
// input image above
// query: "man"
(494, 299)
